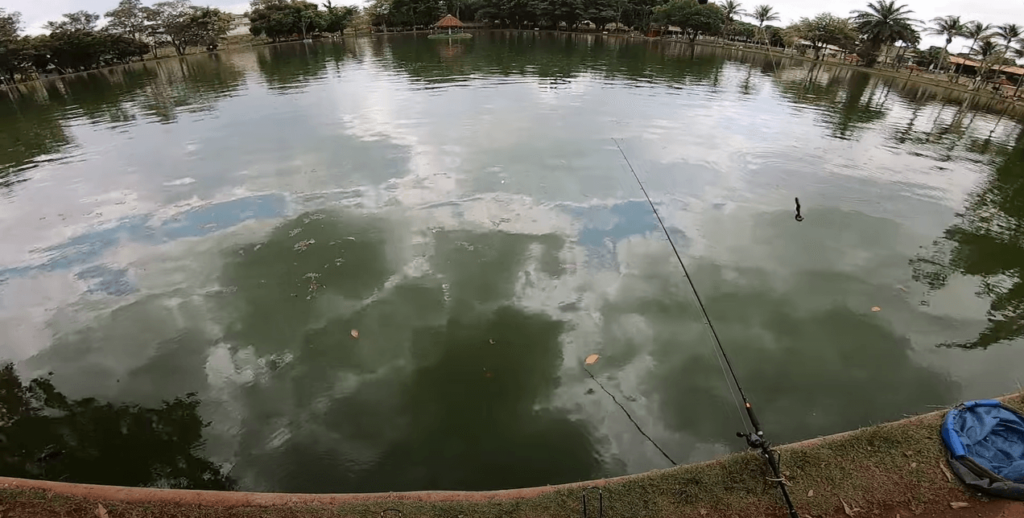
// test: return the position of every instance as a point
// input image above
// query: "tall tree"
(10, 24)
(184, 25)
(278, 19)
(379, 10)
(558, 12)
(11, 45)
(985, 49)
(338, 17)
(692, 17)
(167, 23)
(206, 26)
(949, 27)
(732, 10)
(882, 23)
(764, 13)
(128, 18)
(823, 30)
(601, 12)
(1008, 33)
(76, 21)
(974, 30)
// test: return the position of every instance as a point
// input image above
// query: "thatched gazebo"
(449, 22)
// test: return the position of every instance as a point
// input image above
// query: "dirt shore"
(895, 469)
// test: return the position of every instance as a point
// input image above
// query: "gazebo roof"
(448, 21)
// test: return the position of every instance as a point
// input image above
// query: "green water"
(378, 264)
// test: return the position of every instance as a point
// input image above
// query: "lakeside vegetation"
(886, 470)
(883, 32)
(131, 31)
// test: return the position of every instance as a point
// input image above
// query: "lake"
(378, 264)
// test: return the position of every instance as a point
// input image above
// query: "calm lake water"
(379, 264)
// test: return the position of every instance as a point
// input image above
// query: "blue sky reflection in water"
(221, 224)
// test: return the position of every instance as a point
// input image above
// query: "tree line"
(132, 30)
(277, 19)
(76, 42)
(866, 33)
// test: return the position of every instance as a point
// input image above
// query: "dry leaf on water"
(959, 505)
(876, 309)
(355, 333)
(100, 511)
(592, 359)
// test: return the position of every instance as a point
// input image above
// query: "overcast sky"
(37, 12)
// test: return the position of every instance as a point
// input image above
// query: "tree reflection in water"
(46, 435)
(987, 241)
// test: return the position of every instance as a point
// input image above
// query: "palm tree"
(1007, 33)
(912, 41)
(732, 10)
(987, 51)
(884, 23)
(1018, 52)
(950, 27)
(984, 49)
(764, 13)
(974, 30)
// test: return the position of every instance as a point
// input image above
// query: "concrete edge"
(250, 499)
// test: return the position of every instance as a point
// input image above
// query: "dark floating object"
(798, 216)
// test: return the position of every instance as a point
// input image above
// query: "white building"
(239, 25)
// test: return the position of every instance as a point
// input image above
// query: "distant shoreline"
(936, 82)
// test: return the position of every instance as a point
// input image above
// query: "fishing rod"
(755, 440)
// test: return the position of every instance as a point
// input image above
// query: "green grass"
(890, 466)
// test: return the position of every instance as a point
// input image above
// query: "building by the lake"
(239, 25)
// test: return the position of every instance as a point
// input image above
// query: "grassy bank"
(948, 90)
(882, 470)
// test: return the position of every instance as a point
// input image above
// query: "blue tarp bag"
(985, 439)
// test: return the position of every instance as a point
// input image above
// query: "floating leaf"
(100, 511)
(959, 505)
(592, 359)
(355, 333)
(876, 309)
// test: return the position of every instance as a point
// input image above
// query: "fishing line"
(637, 425)
(755, 439)
(726, 366)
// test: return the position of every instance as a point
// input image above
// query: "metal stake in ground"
(756, 438)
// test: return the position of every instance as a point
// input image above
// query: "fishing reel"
(754, 440)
